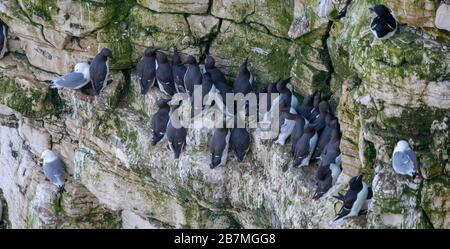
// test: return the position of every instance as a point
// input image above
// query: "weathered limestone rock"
(416, 13)
(51, 59)
(311, 68)
(306, 17)
(90, 15)
(164, 31)
(442, 17)
(236, 10)
(203, 26)
(275, 16)
(436, 202)
(396, 201)
(269, 57)
(177, 6)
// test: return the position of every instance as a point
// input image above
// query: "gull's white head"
(402, 145)
(48, 155)
(83, 68)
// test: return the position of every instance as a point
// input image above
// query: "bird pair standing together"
(97, 73)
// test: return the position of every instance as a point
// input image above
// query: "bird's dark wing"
(302, 146)
(178, 74)
(2, 38)
(391, 23)
(159, 121)
(382, 28)
(350, 198)
(98, 72)
(240, 139)
(217, 144)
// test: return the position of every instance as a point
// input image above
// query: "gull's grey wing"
(412, 156)
(73, 80)
(54, 171)
(402, 162)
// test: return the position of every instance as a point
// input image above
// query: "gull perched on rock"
(404, 160)
(53, 169)
(76, 79)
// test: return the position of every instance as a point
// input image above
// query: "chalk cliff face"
(381, 91)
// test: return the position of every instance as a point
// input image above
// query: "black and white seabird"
(53, 169)
(244, 80)
(286, 93)
(325, 135)
(329, 169)
(99, 70)
(176, 135)
(219, 147)
(299, 126)
(404, 160)
(332, 153)
(216, 75)
(315, 111)
(207, 87)
(319, 122)
(324, 181)
(193, 75)
(178, 71)
(164, 75)
(304, 147)
(74, 80)
(146, 70)
(356, 199)
(335, 136)
(286, 126)
(160, 120)
(285, 101)
(384, 25)
(239, 141)
(218, 78)
(3, 39)
(269, 89)
(306, 107)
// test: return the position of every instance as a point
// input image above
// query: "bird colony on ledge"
(313, 130)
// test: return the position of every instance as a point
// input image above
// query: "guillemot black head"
(324, 107)
(380, 10)
(356, 183)
(176, 59)
(190, 60)
(263, 88)
(163, 103)
(161, 57)
(106, 53)
(243, 68)
(150, 51)
(282, 85)
(209, 62)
